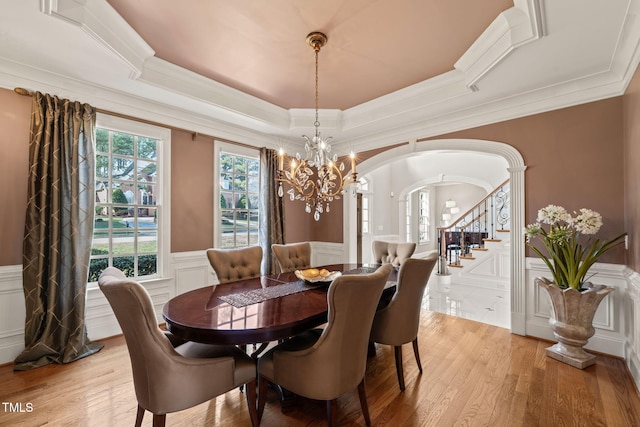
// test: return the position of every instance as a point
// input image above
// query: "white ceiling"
(392, 71)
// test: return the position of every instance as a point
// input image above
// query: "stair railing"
(472, 228)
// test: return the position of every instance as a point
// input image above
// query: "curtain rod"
(194, 135)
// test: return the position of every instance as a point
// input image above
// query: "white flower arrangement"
(568, 259)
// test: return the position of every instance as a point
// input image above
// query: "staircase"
(475, 246)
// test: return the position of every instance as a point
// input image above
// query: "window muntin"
(365, 214)
(127, 232)
(423, 215)
(408, 219)
(239, 188)
(363, 187)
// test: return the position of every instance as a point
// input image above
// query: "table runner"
(254, 296)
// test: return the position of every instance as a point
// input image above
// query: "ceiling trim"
(162, 92)
(100, 21)
(512, 28)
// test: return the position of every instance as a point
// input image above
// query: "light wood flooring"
(474, 374)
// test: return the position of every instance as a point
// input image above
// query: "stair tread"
(455, 265)
(492, 240)
(503, 231)
(480, 249)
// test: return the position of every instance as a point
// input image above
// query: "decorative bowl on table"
(316, 275)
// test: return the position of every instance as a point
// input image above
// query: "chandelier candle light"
(317, 179)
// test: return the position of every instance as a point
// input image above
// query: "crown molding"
(230, 104)
(19, 75)
(160, 91)
(246, 110)
(100, 21)
(512, 28)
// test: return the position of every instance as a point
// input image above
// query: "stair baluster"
(471, 229)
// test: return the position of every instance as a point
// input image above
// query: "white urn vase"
(571, 320)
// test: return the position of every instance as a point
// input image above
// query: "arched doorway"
(516, 168)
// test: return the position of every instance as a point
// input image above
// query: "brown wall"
(15, 117)
(574, 158)
(191, 192)
(631, 164)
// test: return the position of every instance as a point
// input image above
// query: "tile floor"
(445, 295)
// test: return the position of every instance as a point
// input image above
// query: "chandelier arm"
(300, 184)
(317, 179)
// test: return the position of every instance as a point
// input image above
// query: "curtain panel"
(58, 232)
(271, 212)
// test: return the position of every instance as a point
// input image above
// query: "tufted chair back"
(235, 264)
(325, 364)
(293, 256)
(398, 323)
(393, 253)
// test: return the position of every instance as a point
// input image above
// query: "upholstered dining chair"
(292, 256)
(170, 374)
(325, 364)
(392, 252)
(235, 264)
(398, 322)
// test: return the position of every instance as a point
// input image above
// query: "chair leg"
(251, 403)
(417, 354)
(139, 416)
(332, 412)
(159, 420)
(263, 385)
(398, 353)
(363, 402)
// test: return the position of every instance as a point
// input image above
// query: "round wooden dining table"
(204, 315)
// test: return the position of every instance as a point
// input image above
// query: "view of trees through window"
(125, 231)
(239, 197)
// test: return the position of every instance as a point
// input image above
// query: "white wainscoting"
(631, 307)
(12, 313)
(617, 320)
(609, 321)
(324, 253)
(186, 271)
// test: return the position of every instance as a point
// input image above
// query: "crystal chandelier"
(317, 179)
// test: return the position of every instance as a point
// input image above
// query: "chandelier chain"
(317, 122)
(319, 178)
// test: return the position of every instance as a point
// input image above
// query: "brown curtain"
(271, 212)
(58, 230)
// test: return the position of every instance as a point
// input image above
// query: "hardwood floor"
(474, 374)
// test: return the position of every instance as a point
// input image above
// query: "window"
(239, 186)
(127, 232)
(423, 214)
(363, 185)
(408, 219)
(365, 214)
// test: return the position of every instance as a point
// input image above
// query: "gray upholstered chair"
(170, 374)
(398, 323)
(325, 364)
(392, 252)
(235, 264)
(292, 256)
